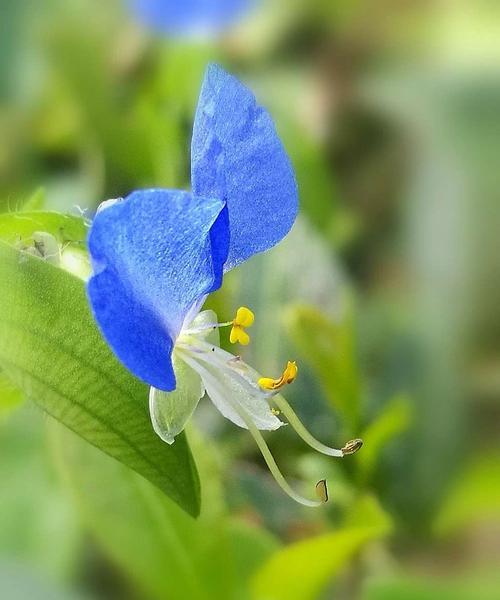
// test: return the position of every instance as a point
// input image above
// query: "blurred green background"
(386, 292)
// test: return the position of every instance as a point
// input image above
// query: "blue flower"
(158, 253)
(190, 17)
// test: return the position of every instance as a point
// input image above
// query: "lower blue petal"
(155, 255)
(236, 155)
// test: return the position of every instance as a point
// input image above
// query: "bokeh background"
(386, 292)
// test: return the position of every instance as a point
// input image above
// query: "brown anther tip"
(322, 490)
(352, 446)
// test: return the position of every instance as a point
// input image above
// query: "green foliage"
(284, 577)
(51, 348)
(167, 553)
(329, 349)
(18, 228)
(32, 507)
(10, 395)
(394, 419)
(19, 582)
(396, 160)
(36, 201)
(481, 586)
(474, 497)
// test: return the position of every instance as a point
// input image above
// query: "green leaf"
(33, 508)
(51, 348)
(250, 548)
(474, 497)
(284, 577)
(394, 419)
(329, 349)
(481, 585)
(19, 227)
(166, 553)
(10, 395)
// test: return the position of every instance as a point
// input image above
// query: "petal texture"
(154, 256)
(236, 155)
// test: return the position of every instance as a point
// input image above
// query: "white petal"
(231, 393)
(206, 318)
(170, 411)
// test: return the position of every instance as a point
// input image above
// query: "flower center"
(245, 397)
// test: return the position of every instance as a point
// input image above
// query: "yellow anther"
(244, 318)
(288, 375)
(275, 412)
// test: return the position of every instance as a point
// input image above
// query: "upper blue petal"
(236, 155)
(189, 17)
(155, 256)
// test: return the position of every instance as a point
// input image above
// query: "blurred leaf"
(167, 553)
(301, 570)
(32, 507)
(36, 201)
(19, 227)
(18, 582)
(319, 199)
(474, 497)
(10, 395)
(480, 586)
(394, 419)
(318, 196)
(250, 547)
(329, 349)
(51, 348)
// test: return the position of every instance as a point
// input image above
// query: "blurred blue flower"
(158, 253)
(190, 17)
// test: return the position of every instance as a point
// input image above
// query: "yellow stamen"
(289, 374)
(244, 318)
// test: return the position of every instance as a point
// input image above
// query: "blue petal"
(190, 17)
(155, 255)
(236, 155)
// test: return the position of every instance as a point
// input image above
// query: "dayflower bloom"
(158, 253)
(190, 17)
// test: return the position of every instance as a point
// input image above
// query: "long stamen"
(273, 467)
(302, 432)
(285, 408)
(256, 434)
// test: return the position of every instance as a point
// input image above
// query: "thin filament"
(206, 327)
(280, 401)
(302, 432)
(257, 436)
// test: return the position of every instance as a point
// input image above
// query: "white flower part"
(108, 203)
(230, 383)
(233, 386)
(170, 411)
